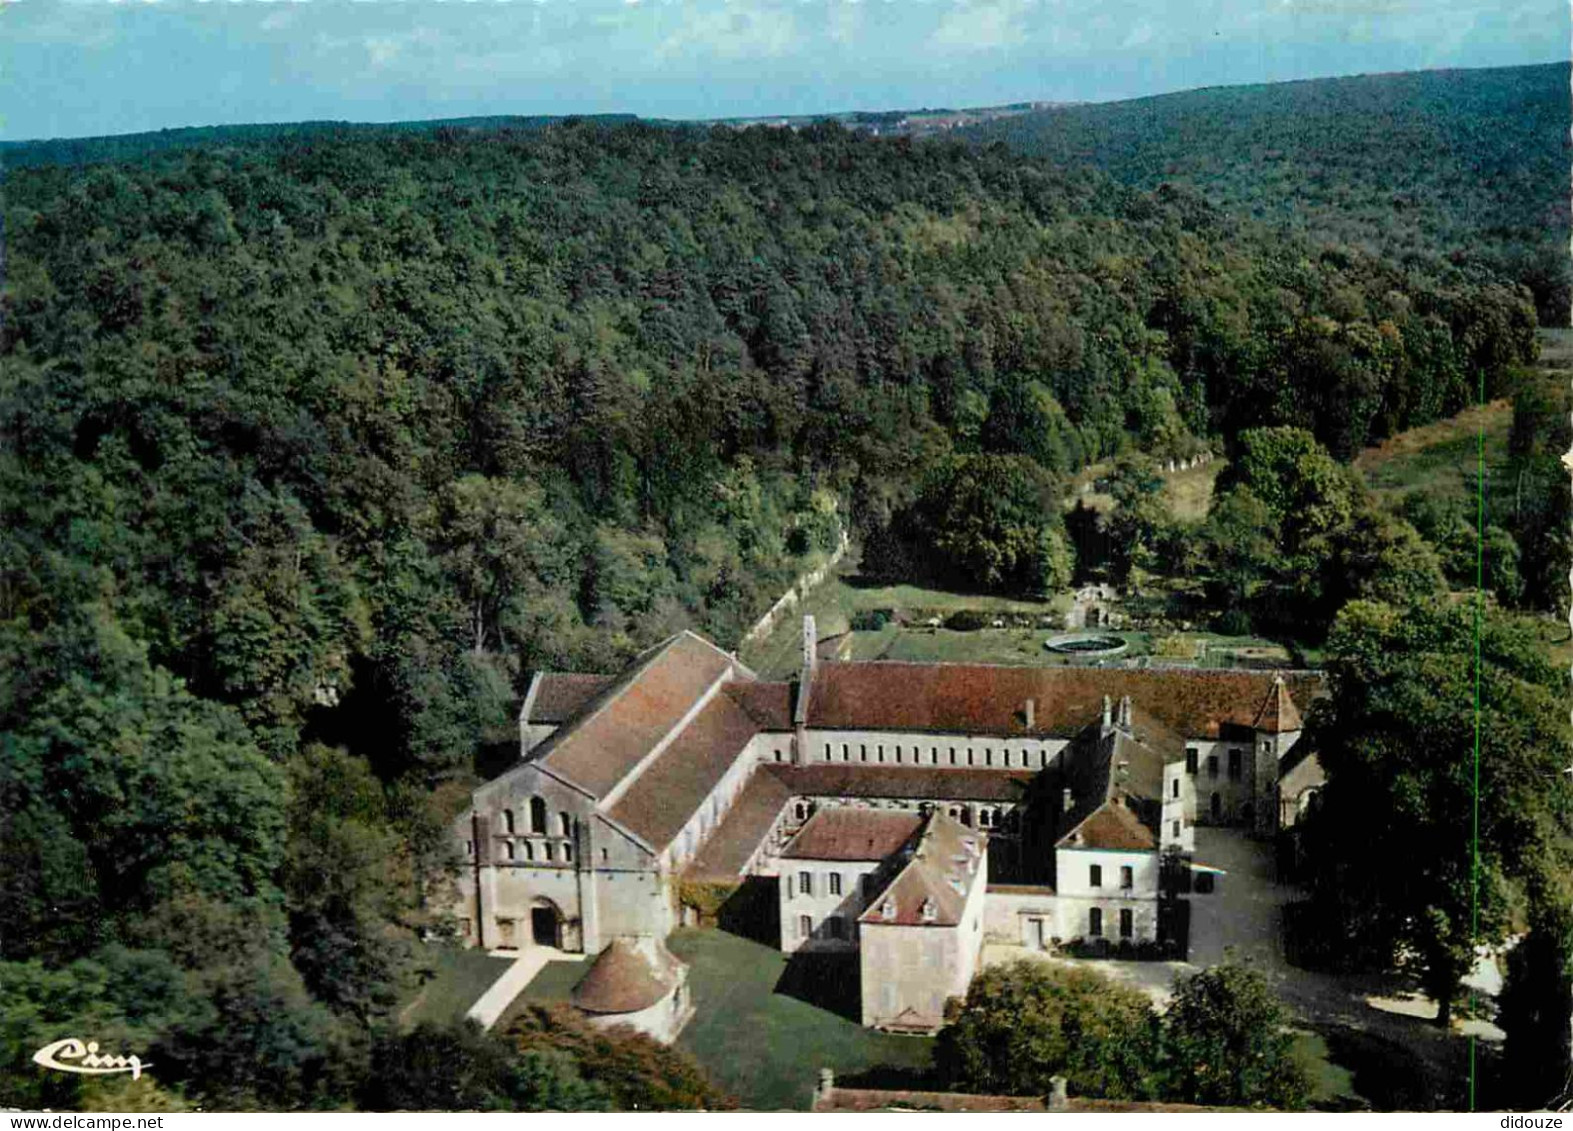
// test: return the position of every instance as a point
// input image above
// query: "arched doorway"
(546, 924)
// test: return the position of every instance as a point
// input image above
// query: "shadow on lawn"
(1393, 1077)
(827, 981)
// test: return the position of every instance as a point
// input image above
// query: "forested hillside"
(314, 447)
(1470, 166)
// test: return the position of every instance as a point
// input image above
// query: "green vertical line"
(1480, 588)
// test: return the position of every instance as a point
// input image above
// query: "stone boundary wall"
(791, 598)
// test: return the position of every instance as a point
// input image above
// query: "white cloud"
(981, 27)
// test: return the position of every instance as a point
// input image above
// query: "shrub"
(870, 620)
(965, 620)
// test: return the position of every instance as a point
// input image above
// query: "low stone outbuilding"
(639, 983)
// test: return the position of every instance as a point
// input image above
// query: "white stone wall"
(664, 1020)
(921, 967)
(1233, 794)
(1178, 825)
(819, 903)
(1075, 896)
(895, 749)
(1008, 917)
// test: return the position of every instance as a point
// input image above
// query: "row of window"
(551, 851)
(833, 882)
(538, 820)
(954, 756)
(1127, 875)
(989, 817)
(1095, 923)
(1192, 756)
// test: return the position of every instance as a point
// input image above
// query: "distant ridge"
(125, 147)
(1467, 165)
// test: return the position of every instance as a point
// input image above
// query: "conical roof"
(629, 975)
(1278, 712)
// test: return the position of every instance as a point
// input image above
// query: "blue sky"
(71, 68)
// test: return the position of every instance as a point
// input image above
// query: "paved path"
(510, 984)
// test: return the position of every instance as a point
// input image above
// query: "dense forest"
(1469, 166)
(315, 445)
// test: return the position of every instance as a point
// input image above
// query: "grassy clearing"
(834, 602)
(767, 1048)
(451, 979)
(1189, 493)
(1441, 459)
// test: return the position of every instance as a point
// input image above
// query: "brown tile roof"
(769, 703)
(559, 696)
(626, 977)
(667, 792)
(926, 783)
(728, 849)
(1278, 712)
(846, 833)
(987, 699)
(942, 871)
(631, 716)
(1111, 826)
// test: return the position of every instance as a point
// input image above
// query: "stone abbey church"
(904, 812)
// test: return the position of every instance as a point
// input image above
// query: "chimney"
(1032, 713)
(1108, 708)
(1059, 1097)
(1069, 799)
(810, 647)
(1125, 712)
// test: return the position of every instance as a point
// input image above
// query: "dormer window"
(887, 910)
(929, 911)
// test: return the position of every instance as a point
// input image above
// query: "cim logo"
(71, 1055)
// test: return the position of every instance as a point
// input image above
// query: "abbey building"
(906, 811)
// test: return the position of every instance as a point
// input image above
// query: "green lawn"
(765, 1047)
(450, 980)
(1332, 1085)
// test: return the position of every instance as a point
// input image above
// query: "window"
(827, 751)
(567, 851)
(507, 850)
(1190, 760)
(1176, 827)
(969, 755)
(835, 927)
(846, 752)
(805, 883)
(898, 755)
(862, 752)
(1212, 766)
(1127, 923)
(1234, 765)
(805, 926)
(469, 848)
(565, 822)
(835, 883)
(988, 755)
(604, 855)
(537, 815)
(551, 852)
(1095, 923)
(880, 752)
(1043, 759)
(1174, 790)
(800, 811)
(952, 755)
(1127, 877)
(1006, 752)
(1095, 876)
(529, 851)
(507, 821)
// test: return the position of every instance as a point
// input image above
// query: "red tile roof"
(919, 783)
(769, 703)
(626, 977)
(668, 791)
(630, 717)
(1111, 826)
(846, 833)
(1278, 712)
(941, 873)
(728, 850)
(559, 696)
(987, 699)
